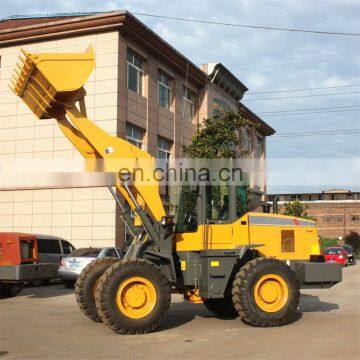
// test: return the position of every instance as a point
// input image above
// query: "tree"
(296, 208)
(353, 239)
(219, 136)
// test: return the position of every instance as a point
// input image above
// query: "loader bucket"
(51, 82)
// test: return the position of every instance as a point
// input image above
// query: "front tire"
(266, 293)
(86, 286)
(133, 297)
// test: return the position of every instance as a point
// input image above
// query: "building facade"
(337, 212)
(142, 90)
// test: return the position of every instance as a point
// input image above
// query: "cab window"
(187, 212)
(218, 205)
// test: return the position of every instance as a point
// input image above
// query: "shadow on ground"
(310, 303)
(46, 291)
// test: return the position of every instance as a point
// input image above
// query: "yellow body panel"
(268, 236)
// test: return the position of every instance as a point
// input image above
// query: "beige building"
(142, 89)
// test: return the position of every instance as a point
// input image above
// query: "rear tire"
(86, 285)
(223, 308)
(266, 293)
(8, 290)
(133, 297)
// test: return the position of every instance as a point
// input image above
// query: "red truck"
(19, 263)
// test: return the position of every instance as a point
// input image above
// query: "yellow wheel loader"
(250, 265)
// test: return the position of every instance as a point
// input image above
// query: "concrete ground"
(45, 323)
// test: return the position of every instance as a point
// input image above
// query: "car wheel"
(10, 290)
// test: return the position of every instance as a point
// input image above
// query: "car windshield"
(88, 252)
(333, 252)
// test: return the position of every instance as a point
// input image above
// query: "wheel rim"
(271, 293)
(136, 297)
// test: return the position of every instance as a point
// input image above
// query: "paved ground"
(45, 323)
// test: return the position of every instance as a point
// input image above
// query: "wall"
(334, 218)
(83, 216)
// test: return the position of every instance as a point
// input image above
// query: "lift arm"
(51, 85)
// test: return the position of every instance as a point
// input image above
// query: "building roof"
(265, 128)
(221, 76)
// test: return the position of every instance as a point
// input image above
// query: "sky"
(267, 60)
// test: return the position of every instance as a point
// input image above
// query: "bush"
(353, 239)
(298, 209)
(328, 242)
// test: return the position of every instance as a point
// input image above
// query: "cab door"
(218, 224)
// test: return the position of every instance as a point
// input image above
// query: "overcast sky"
(266, 60)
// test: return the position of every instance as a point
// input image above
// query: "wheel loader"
(248, 265)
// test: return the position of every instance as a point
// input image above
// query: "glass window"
(134, 135)
(219, 105)
(164, 88)
(246, 140)
(67, 247)
(259, 146)
(189, 105)
(48, 246)
(187, 211)
(217, 198)
(110, 253)
(163, 148)
(135, 72)
(241, 201)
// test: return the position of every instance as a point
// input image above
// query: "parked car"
(336, 254)
(71, 266)
(51, 250)
(350, 254)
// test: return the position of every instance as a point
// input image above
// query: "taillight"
(62, 262)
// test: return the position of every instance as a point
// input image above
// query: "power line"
(304, 89)
(313, 112)
(302, 96)
(316, 133)
(307, 109)
(284, 62)
(248, 26)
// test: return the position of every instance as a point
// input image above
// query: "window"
(134, 135)
(219, 105)
(135, 72)
(163, 148)
(48, 246)
(189, 105)
(164, 88)
(241, 201)
(67, 247)
(246, 140)
(217, 198)
(187, 211)
(338, 218)
(109, 253)
(259, 147)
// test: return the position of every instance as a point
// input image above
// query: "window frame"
(187, 92)
(168, 88)
(246, 135)
(131, 139)
(160, 147)
(139, 70)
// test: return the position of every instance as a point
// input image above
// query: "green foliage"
(327, 242)
(296, 208)
(353, 239)
(219, 136)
